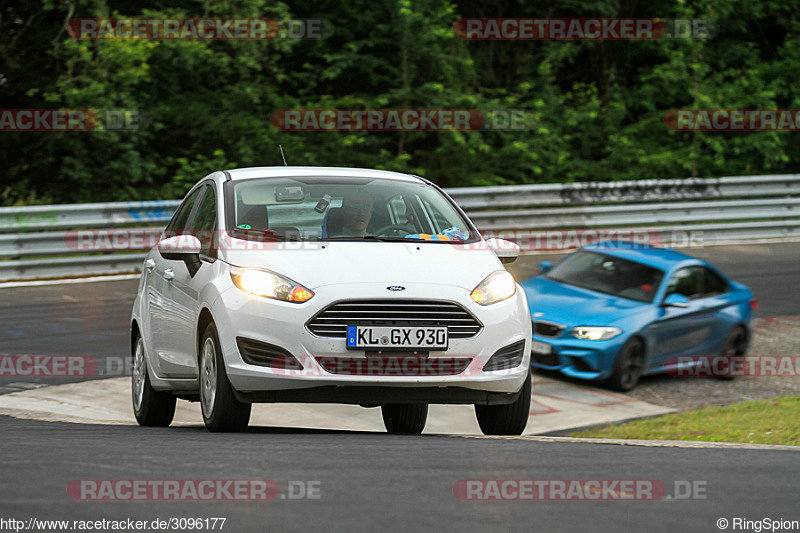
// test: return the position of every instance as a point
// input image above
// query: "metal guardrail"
(44, 241)
(73, 216)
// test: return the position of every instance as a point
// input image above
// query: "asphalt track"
(368, 481)
(374, 481)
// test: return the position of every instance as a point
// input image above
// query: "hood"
(571, 306)
(314, 264)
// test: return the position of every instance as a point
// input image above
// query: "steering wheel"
(396, 228)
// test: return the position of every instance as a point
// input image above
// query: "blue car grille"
(549, 359)
(547, 329)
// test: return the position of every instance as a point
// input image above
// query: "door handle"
(169, 274)
(149, 265)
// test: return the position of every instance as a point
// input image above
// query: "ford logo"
(395, 288)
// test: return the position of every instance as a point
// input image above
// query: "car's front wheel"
(628, 366)
(151, 407)
(508, 419)
(408, 419)
(221, 410)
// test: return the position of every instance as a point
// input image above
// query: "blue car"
(614, 311)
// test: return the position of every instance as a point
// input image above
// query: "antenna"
(283, 156)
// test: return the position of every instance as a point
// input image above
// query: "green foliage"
(594, 109)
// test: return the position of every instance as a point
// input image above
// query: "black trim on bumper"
(506, 358)
(259, 353)
(370, 395)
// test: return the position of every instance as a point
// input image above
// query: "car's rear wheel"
(508, 419)
(151, 407)
(402, 418)
(735, 345)
(628, 366)
(221, 410)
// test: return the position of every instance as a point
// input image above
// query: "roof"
(661, 258)
(288, 172)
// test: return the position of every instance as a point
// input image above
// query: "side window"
(204, 223)
(177, 225)
(713, 284)
(686, 281)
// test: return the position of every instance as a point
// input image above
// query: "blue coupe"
(613, 311)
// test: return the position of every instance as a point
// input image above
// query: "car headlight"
(496, 287)
(269, 285)
(595, 333)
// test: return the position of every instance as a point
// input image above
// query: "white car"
(328, 285)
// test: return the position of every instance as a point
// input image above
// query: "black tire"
(508, 419)
(404, 418)
(150, 407)
(628, 366)
(735, 345)
(221, 410)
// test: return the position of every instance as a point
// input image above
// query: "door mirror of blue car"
(676, 300)
(544, 266)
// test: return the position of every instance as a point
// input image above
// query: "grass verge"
(773, 421)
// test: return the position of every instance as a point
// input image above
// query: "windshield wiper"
(385, 239)
(250, 234)
(355, 238)
(416, 239)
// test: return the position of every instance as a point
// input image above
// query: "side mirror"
(506, 251)
(184, 248)
(676, 300)
(544, 266)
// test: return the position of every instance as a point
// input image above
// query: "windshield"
(609, 275)
(322, 208)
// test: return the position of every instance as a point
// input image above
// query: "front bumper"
(582, 359)
(283, 324)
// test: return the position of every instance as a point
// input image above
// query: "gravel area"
(772, 336)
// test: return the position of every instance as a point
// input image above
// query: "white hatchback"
(305, 284)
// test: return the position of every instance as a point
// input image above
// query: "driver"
(356, 214)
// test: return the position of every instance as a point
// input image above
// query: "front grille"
(395, 365)
(547, 329)
(334, 319)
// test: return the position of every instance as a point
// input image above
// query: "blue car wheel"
(628, 366)
(735, 344)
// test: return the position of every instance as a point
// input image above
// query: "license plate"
(540, 347)
(431, 338)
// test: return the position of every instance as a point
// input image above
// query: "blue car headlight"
(595, 333)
